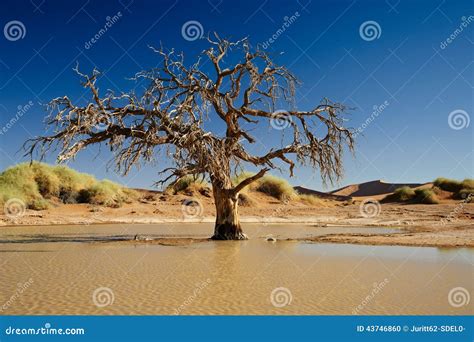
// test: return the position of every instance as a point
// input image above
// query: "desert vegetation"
(442, 187)
(39, 185)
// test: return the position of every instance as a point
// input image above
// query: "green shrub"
(403, 194)
(38, 204)
(426, 196)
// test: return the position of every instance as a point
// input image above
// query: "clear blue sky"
(409, 64)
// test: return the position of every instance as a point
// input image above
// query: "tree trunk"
(227, 216)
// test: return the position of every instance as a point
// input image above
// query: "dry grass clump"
(38, 184)
(273, 186)
(187, 184)
(460, 189)
(403, 194)
(311, 200)
(407, 194)
(426, 196)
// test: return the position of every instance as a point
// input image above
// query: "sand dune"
(325, 195)
(373, 188)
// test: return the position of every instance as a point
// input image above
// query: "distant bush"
(426, 196)
(458, 188)
(37, 183)
(403, 194)
(187, 183)
(447, 184)
(273, 186)
(276, 187)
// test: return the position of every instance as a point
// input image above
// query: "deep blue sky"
(410, 141)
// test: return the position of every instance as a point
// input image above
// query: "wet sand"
(62, 267)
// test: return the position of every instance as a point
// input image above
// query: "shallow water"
(42, 273)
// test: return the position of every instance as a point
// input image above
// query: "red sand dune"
(373, 188)
(325, 195)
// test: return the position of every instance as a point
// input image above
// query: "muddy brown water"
(77, 270)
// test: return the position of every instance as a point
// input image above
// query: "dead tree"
(169, 117)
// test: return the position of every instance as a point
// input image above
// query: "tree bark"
(227, 216)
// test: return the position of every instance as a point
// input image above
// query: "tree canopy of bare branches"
(230, 82)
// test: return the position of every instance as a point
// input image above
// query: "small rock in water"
(270, 239)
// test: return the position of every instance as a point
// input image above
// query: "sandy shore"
(450, 224)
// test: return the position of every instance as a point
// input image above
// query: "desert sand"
(449, 224)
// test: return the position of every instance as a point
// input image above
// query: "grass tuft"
(37, 184)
